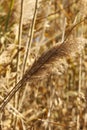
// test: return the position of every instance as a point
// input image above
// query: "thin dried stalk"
(46, 62)
(19, 46)
(29, 42)
(16, 96)
(31, 32)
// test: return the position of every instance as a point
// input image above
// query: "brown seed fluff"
(44, 63)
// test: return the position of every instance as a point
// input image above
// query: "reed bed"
(43, 69)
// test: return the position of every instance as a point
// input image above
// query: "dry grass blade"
(45, 63)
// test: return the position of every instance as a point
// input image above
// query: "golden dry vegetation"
(43, 65)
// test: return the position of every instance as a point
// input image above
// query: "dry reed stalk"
(46, 62)
(28, 10)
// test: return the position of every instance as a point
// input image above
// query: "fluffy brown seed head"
(44, 65)
(56, 56)
(72, 45)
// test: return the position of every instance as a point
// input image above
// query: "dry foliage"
(43, 69)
